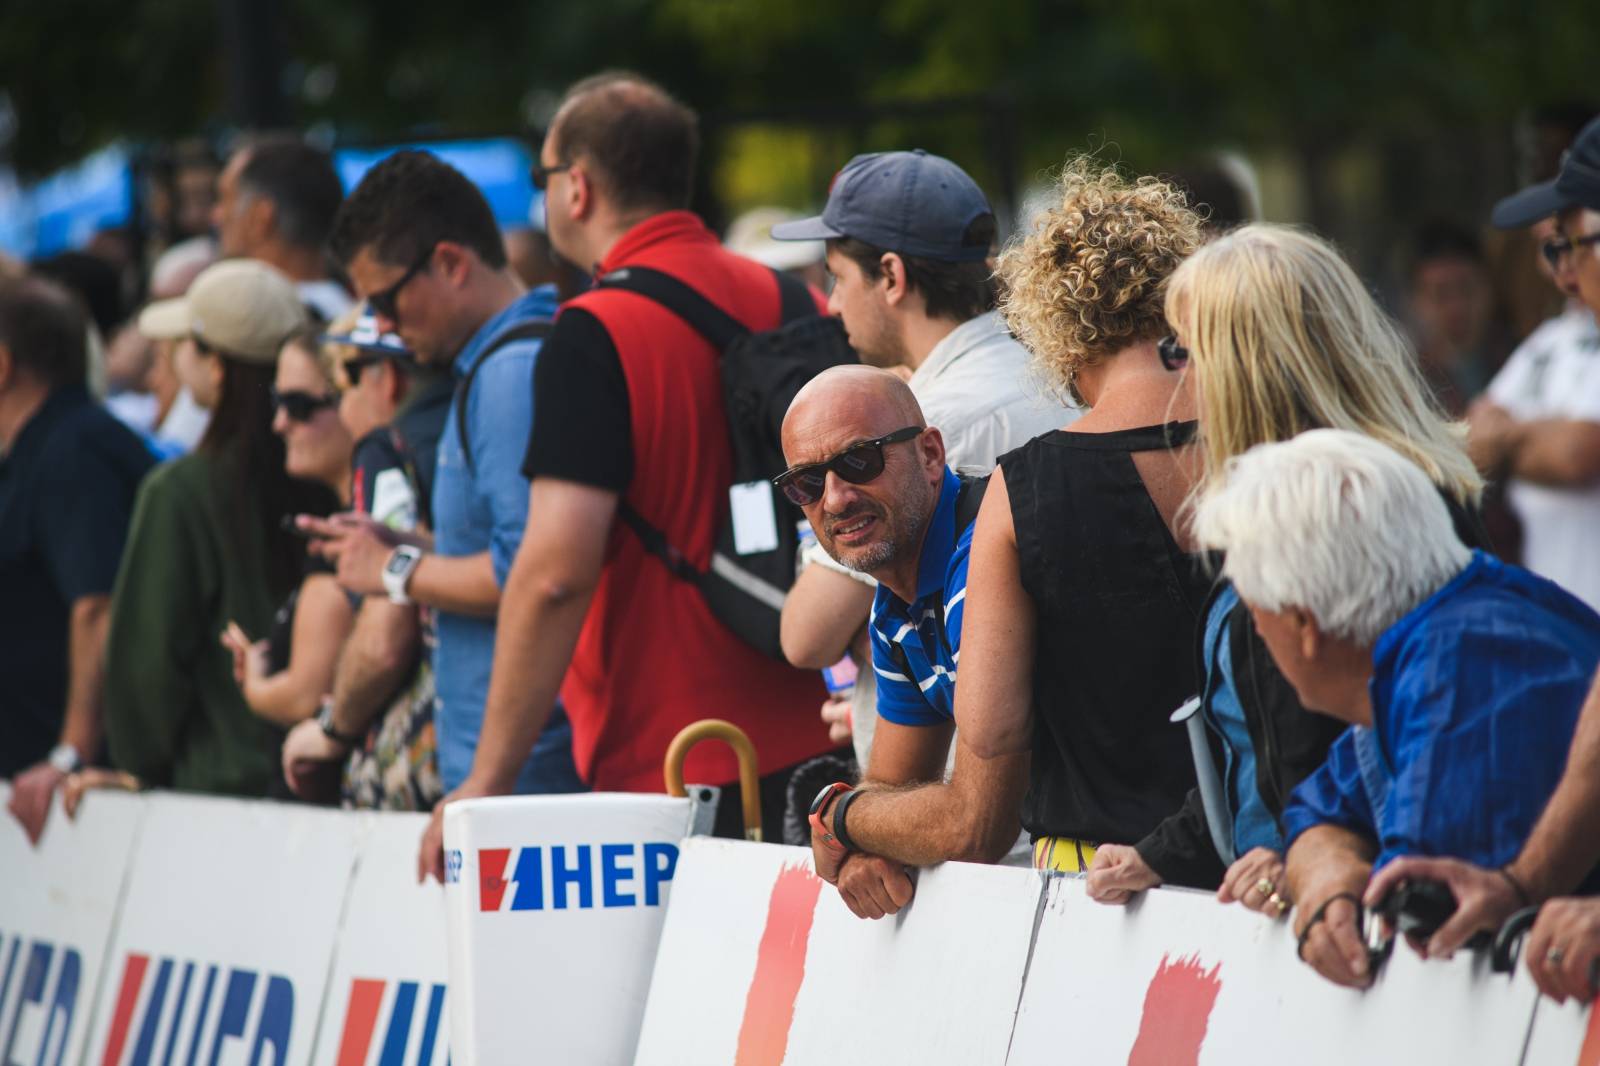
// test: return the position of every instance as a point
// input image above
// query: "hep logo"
(40, 1003)
(574, 868)
(361, 1024)
(177, 1010)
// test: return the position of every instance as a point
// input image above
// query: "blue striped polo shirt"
(906, 637)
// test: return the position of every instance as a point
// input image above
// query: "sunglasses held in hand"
(857, 464)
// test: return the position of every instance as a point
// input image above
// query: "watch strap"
(839, 811)
(331, 731)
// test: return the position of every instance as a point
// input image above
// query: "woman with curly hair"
(1083, 588)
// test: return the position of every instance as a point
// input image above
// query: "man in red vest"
(628, 409)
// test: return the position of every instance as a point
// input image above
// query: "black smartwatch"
(325, 720)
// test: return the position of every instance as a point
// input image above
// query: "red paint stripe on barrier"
(492, 877)
(1590, 1054)
(360, 1017)
(780, 967)
(127, 996)
(1177, 1008)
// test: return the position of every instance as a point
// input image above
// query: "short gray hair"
(1335, 523)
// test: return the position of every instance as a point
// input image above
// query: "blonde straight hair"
(1283, 338)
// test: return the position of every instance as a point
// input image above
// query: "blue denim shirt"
(485, 508)
(1253, 824)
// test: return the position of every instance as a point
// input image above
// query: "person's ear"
(452, 262)
(892, 277)
(394, 383)
(261, 219)
(1306, 632)
(580, 196)
(931, 447)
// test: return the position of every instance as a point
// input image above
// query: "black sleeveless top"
(1117, 603)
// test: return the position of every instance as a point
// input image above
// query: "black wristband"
(1319, 914)
(840, 808)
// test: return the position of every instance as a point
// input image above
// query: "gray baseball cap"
(1577, 185)
(912, 203)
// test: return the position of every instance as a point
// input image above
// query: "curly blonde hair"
(1088, 281)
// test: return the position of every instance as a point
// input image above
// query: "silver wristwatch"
(397, 572)
(65, 758)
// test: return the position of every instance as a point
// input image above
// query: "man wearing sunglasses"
(1538, 425)
(871, 476)
(422, 247)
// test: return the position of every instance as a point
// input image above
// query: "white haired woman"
(1462, 675)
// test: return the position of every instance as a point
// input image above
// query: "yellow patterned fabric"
(1062, 854)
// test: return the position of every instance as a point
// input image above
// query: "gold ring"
(1265, 887)
(1554, 956)
(1279, 902)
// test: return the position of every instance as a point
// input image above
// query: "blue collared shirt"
(485, 508)
(927, 695)
(1475, 695)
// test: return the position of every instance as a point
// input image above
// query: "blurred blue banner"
(64, 210)
(498, 166)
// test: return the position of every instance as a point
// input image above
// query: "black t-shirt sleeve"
(582, 422)
(378, 469)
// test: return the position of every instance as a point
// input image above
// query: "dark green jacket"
(174, 716)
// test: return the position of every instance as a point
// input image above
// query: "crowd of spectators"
(387, 507)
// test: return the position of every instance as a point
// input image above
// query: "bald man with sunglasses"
(870, 475)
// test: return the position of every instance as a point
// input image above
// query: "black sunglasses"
(353, 367)
(1174, 356)
(540, 174)
(857, 464)
(1554, 249)
(384, 303)
(302, 406)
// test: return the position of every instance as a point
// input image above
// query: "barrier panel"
(761, 963)
(227, 931)
(1564, 1034)
(386, 996)
(555, 905)
(1179, 978)
(58, 904)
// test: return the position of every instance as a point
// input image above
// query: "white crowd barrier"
(761, 965)
(555, 907)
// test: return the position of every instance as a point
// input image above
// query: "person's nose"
(835, 307)
(838, 495)
(280, 422)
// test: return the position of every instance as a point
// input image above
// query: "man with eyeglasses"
(629, 419)
(1538, 425)
(422, 247)
(870, 475)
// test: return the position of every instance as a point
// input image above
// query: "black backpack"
(761, 372)
(533, 328)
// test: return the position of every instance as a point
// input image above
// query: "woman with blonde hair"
(1279, 336)
(1084, 590)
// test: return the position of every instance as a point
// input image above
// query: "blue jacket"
(1475, 696)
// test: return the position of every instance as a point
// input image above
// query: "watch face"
(397, 563)
(822, 797)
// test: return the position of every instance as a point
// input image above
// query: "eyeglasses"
(1174, 356)
(541, 173)
(384, 303)
(857, 464)
(353, 367)
(302, 406)
(1554, 249)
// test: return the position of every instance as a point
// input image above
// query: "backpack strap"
(534, 329)
(703, 316)
(968, 499)
(794, 298)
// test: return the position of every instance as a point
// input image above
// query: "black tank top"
(1117, 603)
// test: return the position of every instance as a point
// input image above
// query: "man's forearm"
(974, 817)
(1327, 859)
(83, 724)
(1560, 453)
(377, 659)
(540, 618)
(460, 584)
(1565, 842)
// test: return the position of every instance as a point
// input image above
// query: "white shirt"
(975, 386)
(327, 298)
(1555, 373)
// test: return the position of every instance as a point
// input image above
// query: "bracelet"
(1516, 886)
(840, 809)
(1318, 915)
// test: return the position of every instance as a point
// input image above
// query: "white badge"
(755, 518)
(393, 502)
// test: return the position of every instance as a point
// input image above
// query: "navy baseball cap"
(1577, 185)
(912, 203)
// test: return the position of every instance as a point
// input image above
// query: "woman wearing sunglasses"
(206, 547)
(285, 675)
(1278, 335)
